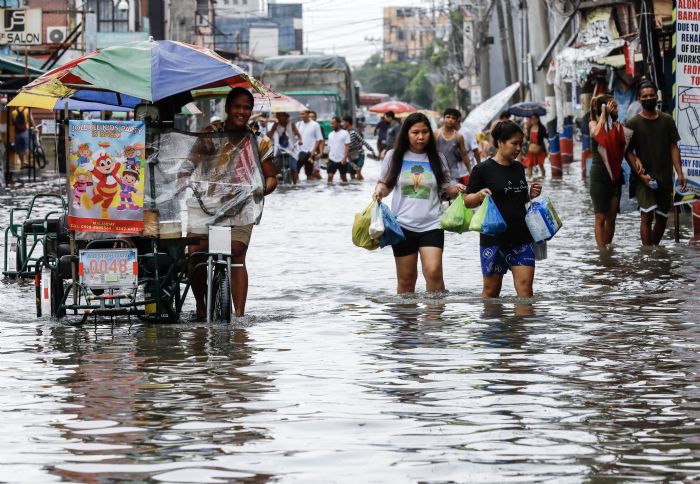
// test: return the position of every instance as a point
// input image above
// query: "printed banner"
(688, 93)
(105, 176)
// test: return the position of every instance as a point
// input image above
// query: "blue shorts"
(497, 260)
(21, 142)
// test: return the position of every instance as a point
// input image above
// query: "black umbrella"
(527, 109)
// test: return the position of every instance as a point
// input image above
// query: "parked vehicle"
(321, 82)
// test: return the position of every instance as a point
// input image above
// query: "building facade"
(409, 30)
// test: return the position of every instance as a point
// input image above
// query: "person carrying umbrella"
(238, 107)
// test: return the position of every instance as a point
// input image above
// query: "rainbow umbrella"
(129, 74)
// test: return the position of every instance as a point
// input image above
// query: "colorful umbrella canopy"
(149, 70)
(395, 106)
(53, 103)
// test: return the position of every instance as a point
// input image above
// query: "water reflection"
(174, 392)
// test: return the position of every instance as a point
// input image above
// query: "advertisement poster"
(688, 93)
(106, 176)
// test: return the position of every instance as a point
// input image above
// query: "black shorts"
(306, 162)
(416, 240)
(334, 166)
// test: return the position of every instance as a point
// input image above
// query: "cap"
(214, 119)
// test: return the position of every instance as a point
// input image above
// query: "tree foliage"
(423, 83)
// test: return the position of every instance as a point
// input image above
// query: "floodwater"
(333, 378)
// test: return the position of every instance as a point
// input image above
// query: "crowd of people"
(423, 168)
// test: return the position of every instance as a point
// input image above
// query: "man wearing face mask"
(653, 152)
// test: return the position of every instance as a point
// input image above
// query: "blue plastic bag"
(493, 223)
(542, 220)
(392, 230)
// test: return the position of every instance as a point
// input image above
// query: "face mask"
(649, 104)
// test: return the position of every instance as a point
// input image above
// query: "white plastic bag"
(376, 226)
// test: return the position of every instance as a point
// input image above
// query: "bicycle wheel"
(221, 305)
(39, 156)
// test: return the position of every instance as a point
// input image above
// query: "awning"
(15, 64)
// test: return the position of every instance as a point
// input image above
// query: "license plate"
(109, 268)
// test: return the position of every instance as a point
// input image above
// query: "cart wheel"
(221, 306)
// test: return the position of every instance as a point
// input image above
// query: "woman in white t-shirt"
(419, 177)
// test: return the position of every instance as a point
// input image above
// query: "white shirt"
(337, 141)
(416, 196)
(310, 133)
(470, 143)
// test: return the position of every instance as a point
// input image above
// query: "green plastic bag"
(457, 217)
(478, 218)
(360, 229)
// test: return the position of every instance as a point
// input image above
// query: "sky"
(352, 28)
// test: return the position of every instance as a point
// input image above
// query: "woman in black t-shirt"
(504, 179)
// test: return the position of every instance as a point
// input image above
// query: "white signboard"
(48, 126)
(688, 91)
(20, 26)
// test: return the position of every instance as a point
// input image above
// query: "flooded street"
(333, 378)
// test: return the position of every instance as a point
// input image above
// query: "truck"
(321, 82)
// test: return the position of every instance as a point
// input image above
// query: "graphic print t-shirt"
(416, 196)
(510, 193)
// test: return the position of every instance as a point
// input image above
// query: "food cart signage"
(20, 26)
(108, 268)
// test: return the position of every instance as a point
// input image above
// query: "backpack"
(20, 121)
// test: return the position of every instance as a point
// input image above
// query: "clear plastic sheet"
(194, 180)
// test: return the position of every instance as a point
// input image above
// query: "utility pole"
(538, 40)
(510, 40)
(505, 55)
(484, 41)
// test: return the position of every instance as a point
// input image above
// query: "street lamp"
(122, 5)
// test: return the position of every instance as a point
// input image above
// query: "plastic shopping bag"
(457, 217)
(478, 218)
(542, 220)
(360, 229)
(392, 230)
(540, 250)
(493, 222)
(376, 225)
(487, 219)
